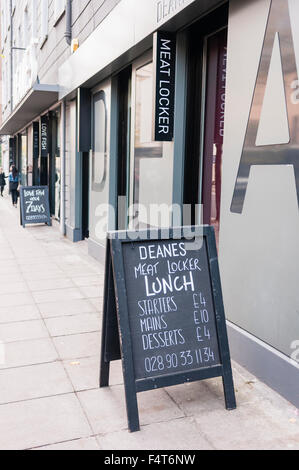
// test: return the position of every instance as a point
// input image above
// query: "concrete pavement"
(50, 319)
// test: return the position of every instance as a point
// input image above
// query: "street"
(50, 321)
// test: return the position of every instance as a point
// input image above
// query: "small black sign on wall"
(35, 205)
(35, 140)
(164, 67)
(164, 314)
(44, 136)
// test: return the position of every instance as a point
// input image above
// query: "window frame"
(99, 96)
(44, 22)
(59, 10)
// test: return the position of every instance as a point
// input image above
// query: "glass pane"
(153, 161)
(24, 159)
(57, 170)
(99, 154)
(99, 169)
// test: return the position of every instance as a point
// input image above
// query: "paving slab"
(49, 284)
(55, 295)
(64, 308)
(97, 303)
(38, 275)
(19, 313)
(78, 270)
(88, 281)
(13, 288)
(37, 260)
(27, 353)
(84, 373)
(36, 423)
(78, 346)
(75, 324)
(17, 276)
(91, 292)
(13, 270)
(38, 266)
(37, 381)
(178, 434)
(20, 331)
(106, 408)
(244, 428)
(16, 299)
(79, 444)
(193, 398)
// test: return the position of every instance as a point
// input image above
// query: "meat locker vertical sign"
(164, 68)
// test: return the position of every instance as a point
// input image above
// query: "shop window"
(99, 157)
(153, 161)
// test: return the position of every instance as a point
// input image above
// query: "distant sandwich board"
(35, 207)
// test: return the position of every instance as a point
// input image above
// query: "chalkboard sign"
(34, 206)
(163, 314)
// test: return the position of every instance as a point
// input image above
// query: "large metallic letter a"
(281, 154)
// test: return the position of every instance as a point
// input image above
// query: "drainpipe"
(63, 169)
(11, 56)
(68, 26)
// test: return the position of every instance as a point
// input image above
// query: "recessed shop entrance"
(205, 116)
(99, 169)
(55, 164)
(85, 195)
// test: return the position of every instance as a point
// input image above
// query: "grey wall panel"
(259, 248)
(268, 365)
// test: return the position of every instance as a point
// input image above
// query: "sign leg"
(104, 373)
(132, 408)
(229, 392)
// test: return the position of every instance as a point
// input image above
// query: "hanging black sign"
(164, 63)
(12, 150)
(167, 300)
(35, 205)
(35, 140)
(44, 137)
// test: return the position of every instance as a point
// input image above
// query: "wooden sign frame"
(116, 335)
(23, 222)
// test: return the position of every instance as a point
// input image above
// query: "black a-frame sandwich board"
(117, 342)
(34, 205)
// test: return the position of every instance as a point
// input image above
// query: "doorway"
(54, 172)
(151, 163)
(124, 81)
(205, 121)
(85, 195)
(99, 165)
(216, 55)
